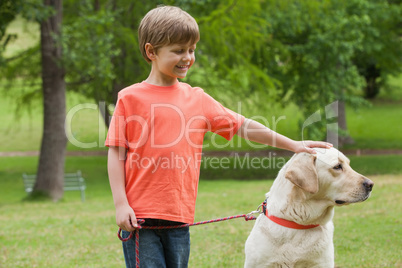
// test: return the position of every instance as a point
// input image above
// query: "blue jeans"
(165, 248)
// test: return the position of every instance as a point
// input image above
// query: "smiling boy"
(161, 123)
(171, 62)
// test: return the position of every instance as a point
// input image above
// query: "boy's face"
(173, 61)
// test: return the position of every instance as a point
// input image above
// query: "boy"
(155, 140)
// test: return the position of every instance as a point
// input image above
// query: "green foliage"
(231, 54)
(378, 56)
(36, 10)
(307, 52)
(314, 43)
(100, 47)
(8, 11)
(22, 68)
(88, 49)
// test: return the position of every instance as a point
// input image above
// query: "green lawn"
(23, 127)
(377, 127)
(75, 234)
(27, 36)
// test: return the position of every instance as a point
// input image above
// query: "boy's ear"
(150, 50)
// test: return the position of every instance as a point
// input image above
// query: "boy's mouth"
(183, 67)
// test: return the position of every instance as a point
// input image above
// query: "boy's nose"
(187, 56)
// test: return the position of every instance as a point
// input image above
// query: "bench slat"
(72, 182)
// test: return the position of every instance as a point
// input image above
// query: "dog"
(297, 228)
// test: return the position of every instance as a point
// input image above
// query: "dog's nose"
(368, 184)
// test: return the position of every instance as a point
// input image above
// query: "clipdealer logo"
(188, 127)
(147, 128)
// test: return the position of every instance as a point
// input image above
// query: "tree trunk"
(104, 111)
(50, 174)
(96, 5)
(344, 138)
(372, 73)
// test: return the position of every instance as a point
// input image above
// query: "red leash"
(247, 217)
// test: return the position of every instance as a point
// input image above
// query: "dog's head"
(328, 175)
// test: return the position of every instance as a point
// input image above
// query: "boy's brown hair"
(167, 25)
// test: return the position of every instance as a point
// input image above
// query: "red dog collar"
(286, 223)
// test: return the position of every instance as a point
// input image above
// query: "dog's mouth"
(340, 202)
(343, 202)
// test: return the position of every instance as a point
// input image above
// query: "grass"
(23, 127)
(27, 36)
(376, 127)
(362, 229)
(75, 234)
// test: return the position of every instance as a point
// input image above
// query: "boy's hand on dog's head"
(307, 146)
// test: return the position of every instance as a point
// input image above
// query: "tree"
(309, 52)
(50, 174)
(100, 44)
(379, 54)
(232, 54)
(101, 48)
(304, 52)
(316, 45)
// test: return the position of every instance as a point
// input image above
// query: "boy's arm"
(125, 216)
(254, 131)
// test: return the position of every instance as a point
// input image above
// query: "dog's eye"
(338, 167)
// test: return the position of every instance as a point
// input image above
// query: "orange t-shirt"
(163, 129)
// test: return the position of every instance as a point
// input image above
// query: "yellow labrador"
(297, 230)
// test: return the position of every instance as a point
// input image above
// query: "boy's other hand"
(307, 146)
(125, 218)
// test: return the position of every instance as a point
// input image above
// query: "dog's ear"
(303, 173)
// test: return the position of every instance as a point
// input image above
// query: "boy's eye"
(180, 51)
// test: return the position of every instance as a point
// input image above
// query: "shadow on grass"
(37, 196)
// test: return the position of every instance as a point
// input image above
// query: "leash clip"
(259, 211)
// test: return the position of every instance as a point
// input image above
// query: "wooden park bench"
(72, 182)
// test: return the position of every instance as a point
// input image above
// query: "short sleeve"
(222, 120)
(116, 135)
